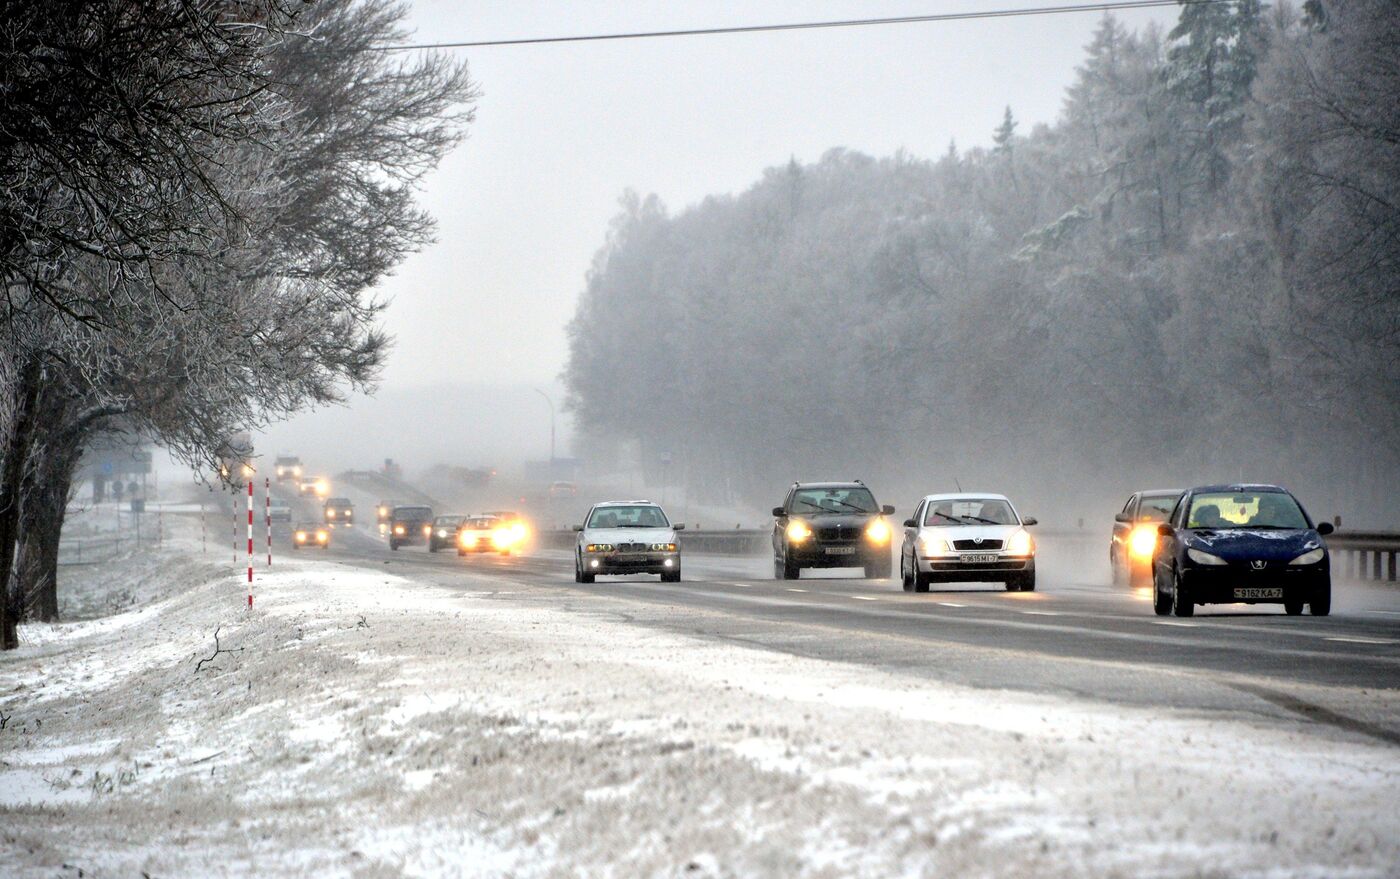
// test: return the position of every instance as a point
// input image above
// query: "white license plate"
(977, 558)
(840, 550)
(1258, 593)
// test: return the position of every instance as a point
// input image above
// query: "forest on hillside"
(1190, 276)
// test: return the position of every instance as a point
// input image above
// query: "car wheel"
(432, 547)
(1293, 607)
(671, 577)
(921, 580)
(579, 574)
(1027, 583)
(905, 578)
(1321, 604)
(1181, 603)
(1116, 569)
(1161, 604)
(784, 569)
(393, 544)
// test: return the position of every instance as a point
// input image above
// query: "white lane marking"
(1043, 613)
(1170, 623)
(742, 585)
(863, 597)
(951, 604)
(1349, 639)
(1389, 613)
(791, 589)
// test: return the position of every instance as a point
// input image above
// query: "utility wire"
(812, 25)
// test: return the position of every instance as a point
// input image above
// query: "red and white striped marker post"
(234, 491)
(250, 542)
(267, 506)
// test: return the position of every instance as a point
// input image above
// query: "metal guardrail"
(1364, 555)
(737, 541)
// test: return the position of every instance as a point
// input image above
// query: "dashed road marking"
(1350, 639)
(1043, 613)
(1389, 613)
(863, 597)
(1171, 623)
(791, 589)
(742, 585)
(951, 604)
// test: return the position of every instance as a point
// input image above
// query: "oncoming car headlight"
(1020, 544)
(301, 537)
(878, 531)
(399, 529)
(600, 547)
(1204, 558)
(1311, 557)
(1142, 542)
(442, 532)
(663, 547)
(934, 546)
(797, 531)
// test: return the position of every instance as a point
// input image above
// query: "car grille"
(631, 547)
(975, 545)
(839, 532)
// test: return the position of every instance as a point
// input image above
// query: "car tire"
(1026, 582)
(906, 579)
(1117, 576)
(1182, 605)
(394, 545)
(432, 547)
(579, 575)
(1321, 604)
(1293, 607)
(671, 577)
(921, 580)
(784, 569)
(1161, 604)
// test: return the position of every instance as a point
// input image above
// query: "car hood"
(969, 532)
(629, 535)
(1244, 544)
(832, 520)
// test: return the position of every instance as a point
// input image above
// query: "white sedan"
(967, 538)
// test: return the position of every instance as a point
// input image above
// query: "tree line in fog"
(1190, 276)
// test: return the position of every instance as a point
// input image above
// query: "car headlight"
(501, 538)
(1142, 542)
(663, 547)
(797, 531)
(398, 529)
(1311, 557)
(934, 546)
(301, 537)
(442, 532)
(330, 513)
(1204, 558)
(322, 536)
(878, 531)
(1020, 544)
(600, 547)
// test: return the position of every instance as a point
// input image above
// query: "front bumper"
(1240, 584)
(834, 554)
(953, 569)
(631, 562)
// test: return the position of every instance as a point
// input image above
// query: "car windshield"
(628, 517)
(1245, 509)
(1157, 507)
(447, 521)
(970, 511)
(338, 502)
(480, 523)
(414, 513)
(816, 501)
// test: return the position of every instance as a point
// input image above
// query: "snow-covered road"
(364, 723)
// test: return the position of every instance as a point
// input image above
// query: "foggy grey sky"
(562, 130)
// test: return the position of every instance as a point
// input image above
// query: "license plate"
(840, 550)
(977, 558)
(1258, 593)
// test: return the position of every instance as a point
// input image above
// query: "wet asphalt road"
(1076, 635)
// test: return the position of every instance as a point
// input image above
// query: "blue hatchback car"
(1252, 544)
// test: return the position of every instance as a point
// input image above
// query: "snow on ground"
(362, 724)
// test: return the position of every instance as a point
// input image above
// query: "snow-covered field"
(367, 725)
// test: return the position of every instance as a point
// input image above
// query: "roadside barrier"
(1364, 555)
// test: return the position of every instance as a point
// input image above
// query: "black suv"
(831, 525)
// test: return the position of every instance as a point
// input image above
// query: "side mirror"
(1325, 528)
(1123, 517)
(910, 523)
(679, 526)
(887, 510)
(1029, 521)
(578, 527)
(779, 512)
(1166, 530)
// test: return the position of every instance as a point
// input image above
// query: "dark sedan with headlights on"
(444, 532)
(410, 524)
(831, 525)
(1241, 543)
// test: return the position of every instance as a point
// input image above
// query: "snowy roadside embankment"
(364, 724)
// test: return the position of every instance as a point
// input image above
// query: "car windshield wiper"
(984, 521)
(852, 506)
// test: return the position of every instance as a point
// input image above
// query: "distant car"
(1247, 543)
(279, 510)
(338, 511)
(627, 537)
(409, 524)
(831, 525)
(314, 486)
(967, 537)
(444, 532)
(479, 534)
(1135, 535)
(563, 489)
(516, 529)
(311, 535)
(287, 468)
(383, 510)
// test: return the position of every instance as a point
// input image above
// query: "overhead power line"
(813, 25)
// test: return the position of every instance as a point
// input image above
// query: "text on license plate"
(840, 550)
(977, 558)
(1258, 593)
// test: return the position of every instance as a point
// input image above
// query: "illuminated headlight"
(1142, 542)
(427, 529)
(517, 531)
(1020, 544)
(301, 537)
(398, 529)
(330, 513)
(797, 531)
(599, 547)
(322, 536)
(442, 532)
(934, 546)
(668, 563)
(593, 564)
(383, 511)
(663, 547)
(878, 531)
(501, 538)
(1204, 558)
(1311, 557)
